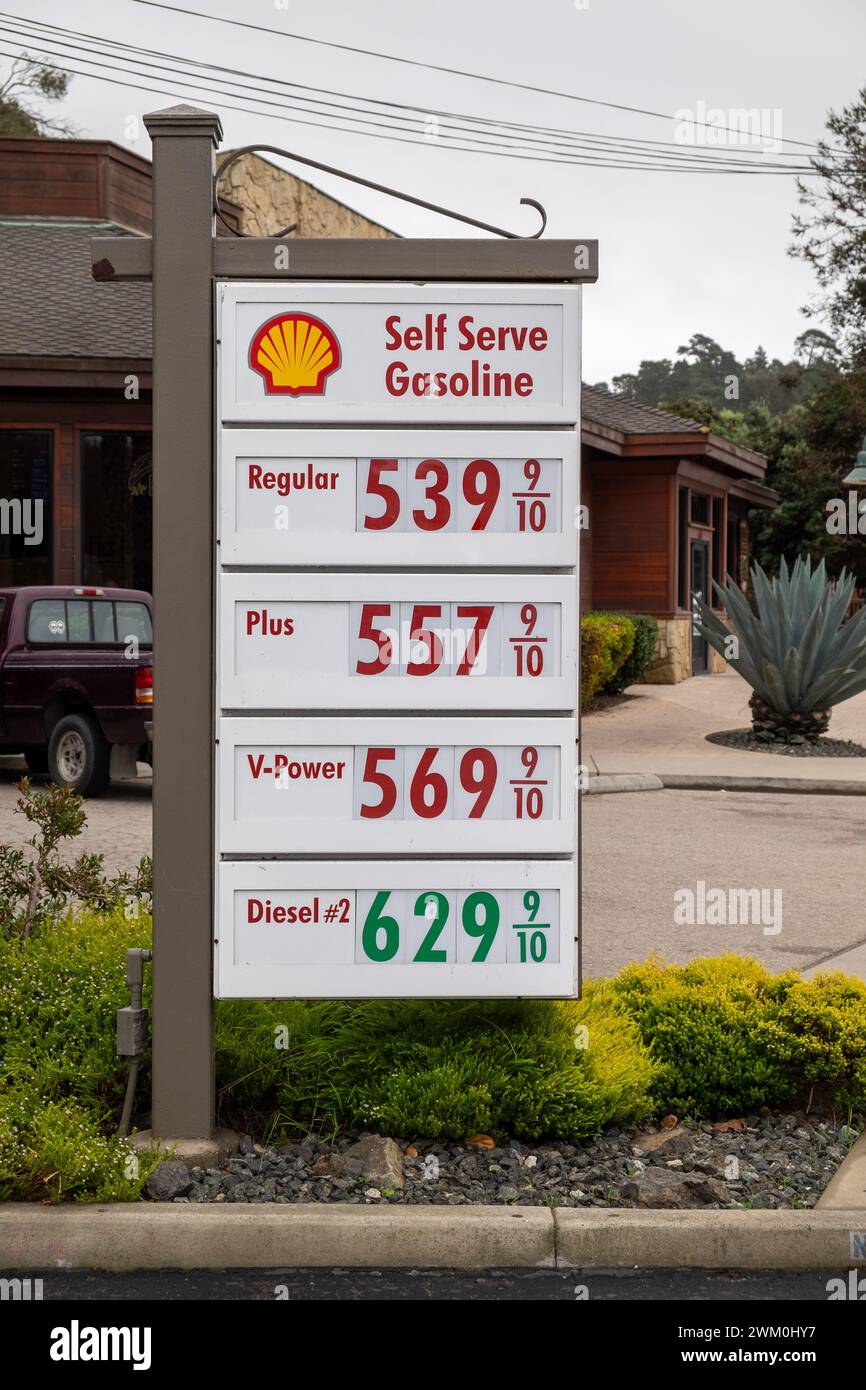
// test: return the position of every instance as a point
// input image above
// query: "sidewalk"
(660, 730)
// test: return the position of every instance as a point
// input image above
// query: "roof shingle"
(52, 306)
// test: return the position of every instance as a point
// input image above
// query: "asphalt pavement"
(410, 1285)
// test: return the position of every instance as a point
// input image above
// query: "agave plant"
(797, 652)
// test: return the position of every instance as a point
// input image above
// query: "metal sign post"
(366, 474)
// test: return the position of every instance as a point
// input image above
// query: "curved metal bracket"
(377, 187)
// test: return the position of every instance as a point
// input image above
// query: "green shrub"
(55, 1150)
(716, 1036)
(636, 665)
(38, 885)
(59, 993)
(606, 642)
(437, 1068)
(817, 1030)
(728, 1037)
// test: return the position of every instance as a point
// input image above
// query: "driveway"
(118, 823)
(642, 848)
(663, 728)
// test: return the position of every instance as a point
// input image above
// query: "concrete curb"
(169, 1236)
(711, 782)
(846, 1190)
(624, 782)
(622, 1239)
(165, 1235)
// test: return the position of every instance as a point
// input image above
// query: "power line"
(688, 163)
(585, 142)
(572, 136)
(436, 67)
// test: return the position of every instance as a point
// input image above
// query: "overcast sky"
(680, 253)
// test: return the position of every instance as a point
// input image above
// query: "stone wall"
(673, 659)
(273, 198)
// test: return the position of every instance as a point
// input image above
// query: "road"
(375, 1285)
(639, 850)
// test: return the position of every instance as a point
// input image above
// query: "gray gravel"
(774, 1161)
(824, 748)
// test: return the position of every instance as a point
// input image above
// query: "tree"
(816, 447)
(816, 346)
(830, 233)
(29, 83)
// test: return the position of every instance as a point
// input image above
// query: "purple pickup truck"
(76, 682)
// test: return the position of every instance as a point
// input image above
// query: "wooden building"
(668, 505)
(667, 500)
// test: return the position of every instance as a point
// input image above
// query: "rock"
(374, 1194)
(669, 1143)
(507, 1193)
(668, 1122)
(374, 1157)
(246, 1145)
(722, 1126)
(171, 1179)
(662, 1187)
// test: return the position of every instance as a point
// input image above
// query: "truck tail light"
(144, 685)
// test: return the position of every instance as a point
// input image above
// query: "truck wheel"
(79, 755)
(36, 758)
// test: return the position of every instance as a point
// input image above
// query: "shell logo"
(295, 354)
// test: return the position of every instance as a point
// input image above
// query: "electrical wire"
(578, 139)
(436, 67)
(591, 156)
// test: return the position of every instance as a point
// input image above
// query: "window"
(77, 620)
(117, 509)
(46, 621)
(133, 620)
(700, 509)
(26, 459)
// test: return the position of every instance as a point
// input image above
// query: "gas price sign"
(447, 786)
(396, 588)
(398, 497)
(398, 928)
(371, 641)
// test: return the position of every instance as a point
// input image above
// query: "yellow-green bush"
(606, 642)
(728, 1036)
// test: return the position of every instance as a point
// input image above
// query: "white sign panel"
(405, 641)
(418, 929)
(298, 353)
(398, 497)
(419, 786)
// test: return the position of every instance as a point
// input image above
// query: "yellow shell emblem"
(295, 354)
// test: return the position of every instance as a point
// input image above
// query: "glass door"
(699, 571)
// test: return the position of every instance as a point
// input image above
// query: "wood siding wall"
(632, 541)
(96, 180)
